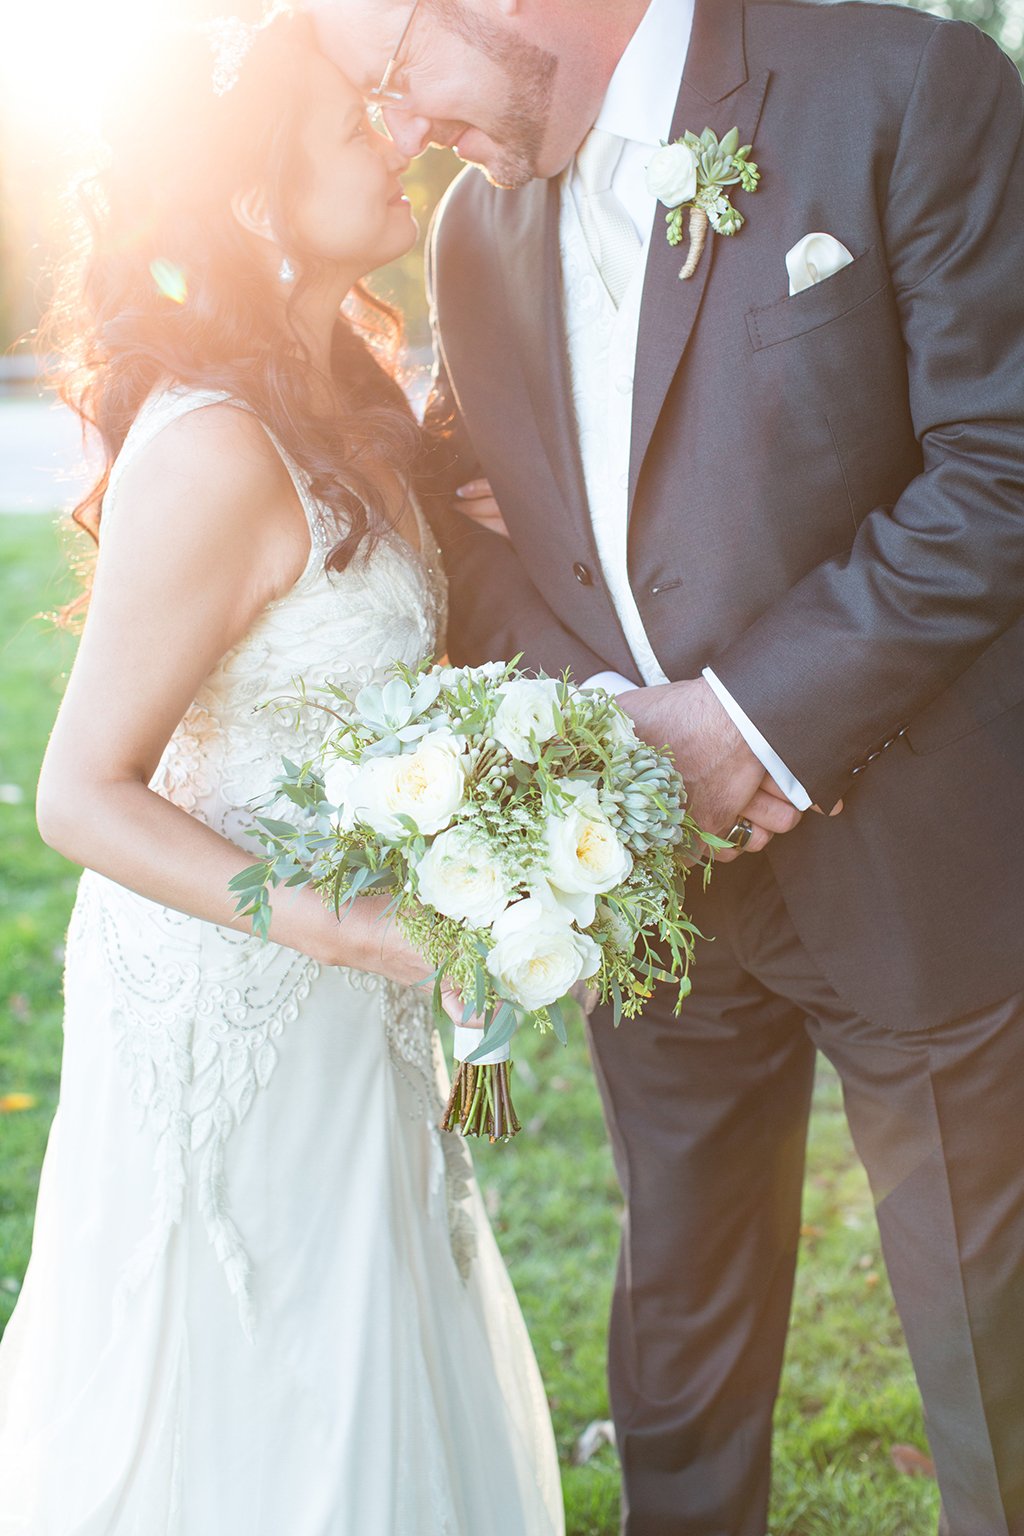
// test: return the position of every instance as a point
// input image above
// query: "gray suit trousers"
(708, 1116)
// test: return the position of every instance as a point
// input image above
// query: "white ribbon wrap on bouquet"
(466, 1042)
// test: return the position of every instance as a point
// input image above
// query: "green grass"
(848, 1391)
(36, 886)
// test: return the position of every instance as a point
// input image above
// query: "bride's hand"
(382, 947)
(476, 501)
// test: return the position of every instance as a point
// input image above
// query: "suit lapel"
(716, 93)
(526, 231)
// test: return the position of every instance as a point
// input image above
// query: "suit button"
(582, 575)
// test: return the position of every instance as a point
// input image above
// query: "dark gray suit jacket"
(826, 491)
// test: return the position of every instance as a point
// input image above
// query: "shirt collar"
(641, 97)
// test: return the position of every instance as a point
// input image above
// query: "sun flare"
(58, 57)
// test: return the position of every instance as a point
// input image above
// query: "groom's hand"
(724, 779)
(476, 501)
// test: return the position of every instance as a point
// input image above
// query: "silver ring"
(741, 833)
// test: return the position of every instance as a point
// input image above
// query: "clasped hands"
(724, 780)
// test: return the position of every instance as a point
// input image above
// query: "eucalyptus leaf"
(276, 828)
(557, 1018)
(498, 1033)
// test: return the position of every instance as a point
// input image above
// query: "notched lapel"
(716, 93)
(526, 227)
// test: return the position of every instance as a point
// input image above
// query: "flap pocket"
(836, 295)
(993, 684)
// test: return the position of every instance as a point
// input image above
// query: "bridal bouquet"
(529, 842)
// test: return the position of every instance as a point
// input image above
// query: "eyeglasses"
(383, 91)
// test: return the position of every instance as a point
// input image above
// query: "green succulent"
(650, 811)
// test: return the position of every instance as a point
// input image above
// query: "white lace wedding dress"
(263, 1298)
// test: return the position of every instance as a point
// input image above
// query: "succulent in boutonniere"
(693, 174)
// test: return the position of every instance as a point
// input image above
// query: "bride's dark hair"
(165, 285)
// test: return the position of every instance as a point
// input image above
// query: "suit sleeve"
(496, 611)
(862, 643)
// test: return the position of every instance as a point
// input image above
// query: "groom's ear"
(251, 210)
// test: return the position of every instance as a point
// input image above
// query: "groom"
(785, 497)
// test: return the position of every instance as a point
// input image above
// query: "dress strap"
(169, 405)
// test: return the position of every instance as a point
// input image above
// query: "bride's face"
(349, 207)
(466, 80)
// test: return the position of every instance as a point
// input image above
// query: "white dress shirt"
(638, 108)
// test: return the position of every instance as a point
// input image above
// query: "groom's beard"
(529, 73)
(520, 130)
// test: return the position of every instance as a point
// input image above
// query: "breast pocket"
(819, 305)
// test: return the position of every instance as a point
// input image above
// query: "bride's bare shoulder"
(217, 454)
(211, 482)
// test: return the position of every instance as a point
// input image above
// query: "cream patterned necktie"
(609, 230)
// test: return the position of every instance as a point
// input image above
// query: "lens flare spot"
(170, 280)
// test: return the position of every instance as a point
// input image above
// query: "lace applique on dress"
(199, 1008)
(197, 1011)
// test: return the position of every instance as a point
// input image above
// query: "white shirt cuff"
(790, 786)
(611, 682)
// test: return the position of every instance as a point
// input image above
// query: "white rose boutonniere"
(693, 173)
(672, 175)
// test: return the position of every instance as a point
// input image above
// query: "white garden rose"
(538, 955)
(427, 785)
(585, 853)
(338, 780)
(620, 731)
(528, 707)
(459, 876)
(672, 175)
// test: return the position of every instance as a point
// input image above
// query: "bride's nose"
(395, 157)
(409, 132)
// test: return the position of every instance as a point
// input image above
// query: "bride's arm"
(207, 530)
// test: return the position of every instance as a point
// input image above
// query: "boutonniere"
(693, 173)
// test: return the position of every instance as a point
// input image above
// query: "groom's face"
(465, 78)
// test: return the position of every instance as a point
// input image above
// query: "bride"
(263, 1298)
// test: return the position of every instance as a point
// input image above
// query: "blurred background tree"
(38, 153)
(1001, 19)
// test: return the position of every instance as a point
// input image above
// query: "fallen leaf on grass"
(599, 1432)
(912, 1462)
(12, 1103)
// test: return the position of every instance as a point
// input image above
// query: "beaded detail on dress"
(200, 1009)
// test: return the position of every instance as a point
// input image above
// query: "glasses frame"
(381, 92)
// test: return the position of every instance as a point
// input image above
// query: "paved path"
(41, 464)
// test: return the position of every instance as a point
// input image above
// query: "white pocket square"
(814, 258)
